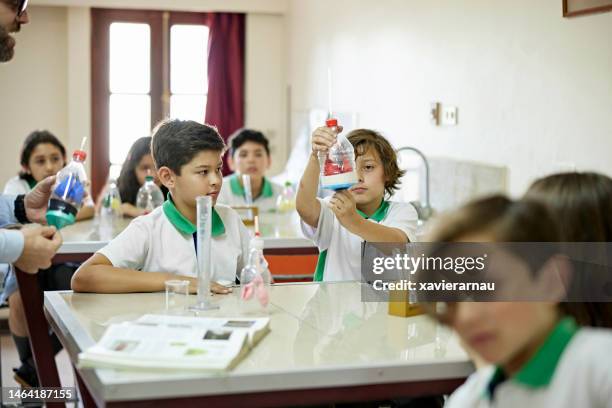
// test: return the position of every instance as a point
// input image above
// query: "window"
(146, 65)
(188, 71)
(130, 87)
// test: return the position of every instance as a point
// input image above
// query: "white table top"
(278, 231)
(322, 335)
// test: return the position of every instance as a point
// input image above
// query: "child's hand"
(214, 286)
(323, 138)
(219, 289)
(344, 207)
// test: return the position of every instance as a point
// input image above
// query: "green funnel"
(59, 219)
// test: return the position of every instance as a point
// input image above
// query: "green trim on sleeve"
(318, 276)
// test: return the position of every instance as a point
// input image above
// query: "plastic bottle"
(110, 211)
(68, 192)
(338, 169)
(285, 202)
(149, 195)
(255, 277)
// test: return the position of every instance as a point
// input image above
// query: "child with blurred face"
(536, 353)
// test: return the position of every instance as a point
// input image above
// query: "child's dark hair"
(176, 142)
(583, 201)
(525, 220)
(364, 139)
(127, 181)
(241, 136)
(29, 144)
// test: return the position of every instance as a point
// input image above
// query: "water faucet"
(423, 211)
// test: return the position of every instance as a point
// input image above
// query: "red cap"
(331, 123)
(79, 155)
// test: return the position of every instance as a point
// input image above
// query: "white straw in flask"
(248, 194)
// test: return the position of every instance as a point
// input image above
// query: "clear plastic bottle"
(255, 277)
(149, 195)
(338, 168)
(110, 211)
(285, 202)
(68, 192)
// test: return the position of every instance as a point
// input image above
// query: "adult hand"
(39, 247)
(36, 201)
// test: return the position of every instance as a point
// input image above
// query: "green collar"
(238, 190)
(539, 370)
(31, 182)
(379, 214)
(185, 226)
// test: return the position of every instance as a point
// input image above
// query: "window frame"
(160, 23)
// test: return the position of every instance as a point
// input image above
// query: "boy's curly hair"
(365, 139)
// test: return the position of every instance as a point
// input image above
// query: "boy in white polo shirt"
(537, 355)
(161, 245)
(338, 226)
(249, 153)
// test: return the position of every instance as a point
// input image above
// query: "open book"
(176, 343)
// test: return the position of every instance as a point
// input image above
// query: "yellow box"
(399, 304)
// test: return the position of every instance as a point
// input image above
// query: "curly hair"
(365, 139)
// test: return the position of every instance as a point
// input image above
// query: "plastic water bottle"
(149, 195)
(338, 167)
(68, 192)
(255, 277)
(285, 202)
(110, 211)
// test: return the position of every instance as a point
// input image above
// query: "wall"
(33, 86)
(265, 92)
(534, 90)
(49, 80)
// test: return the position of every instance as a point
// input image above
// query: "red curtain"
(225, 104)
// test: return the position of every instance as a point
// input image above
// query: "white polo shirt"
(573, 368)
(232, 194)
(340, 250)
(17, 185)
(163, 241)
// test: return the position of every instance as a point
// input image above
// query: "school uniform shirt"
(232, 194)
(573, 368)
(340, 250)
(164, 241)
(18, 186)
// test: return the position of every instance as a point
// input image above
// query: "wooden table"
(325, 345)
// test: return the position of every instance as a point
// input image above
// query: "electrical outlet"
(449, 116)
